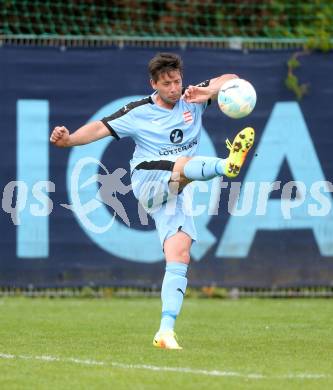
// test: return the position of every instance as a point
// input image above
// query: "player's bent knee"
(179, 256)
(177, 175)
(179, 166)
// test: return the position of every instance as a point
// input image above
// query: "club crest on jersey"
(187, 117)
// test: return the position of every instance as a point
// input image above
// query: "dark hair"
(164, 63)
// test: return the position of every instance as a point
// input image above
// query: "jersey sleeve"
(204, 105)
(121, 123)
(201, 107)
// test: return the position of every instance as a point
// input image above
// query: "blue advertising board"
(273, 226)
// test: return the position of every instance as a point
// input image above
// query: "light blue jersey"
(161, 136)
(159, 133)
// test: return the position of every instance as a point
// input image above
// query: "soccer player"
(165, 127)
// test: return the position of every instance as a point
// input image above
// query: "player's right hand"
(60, 136)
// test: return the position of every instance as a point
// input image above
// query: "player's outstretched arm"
(90, 132)
(197, 94)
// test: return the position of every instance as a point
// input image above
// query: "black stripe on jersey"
(205, 84)
(202, 84)
(123, 111)
(112, 132)
(161, 165)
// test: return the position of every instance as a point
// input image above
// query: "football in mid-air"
(237, 98)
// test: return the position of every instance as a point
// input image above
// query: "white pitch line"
(183, 370)
(186, 370)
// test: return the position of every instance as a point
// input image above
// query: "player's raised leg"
(206, 168)
(177, 254)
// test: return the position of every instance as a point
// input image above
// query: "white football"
(237, 98)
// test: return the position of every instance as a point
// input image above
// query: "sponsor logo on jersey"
(166, 152)
(176, 136)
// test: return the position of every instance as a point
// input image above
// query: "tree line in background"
(311, 19)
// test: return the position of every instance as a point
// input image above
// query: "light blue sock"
(204, 168)
(173, 291)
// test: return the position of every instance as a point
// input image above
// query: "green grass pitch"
(107, 343)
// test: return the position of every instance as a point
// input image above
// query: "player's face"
(169, 86)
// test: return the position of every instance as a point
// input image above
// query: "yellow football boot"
(239, 149)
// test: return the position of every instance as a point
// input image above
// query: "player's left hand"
(195, 94)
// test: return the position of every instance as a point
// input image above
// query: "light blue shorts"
(171, 211)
